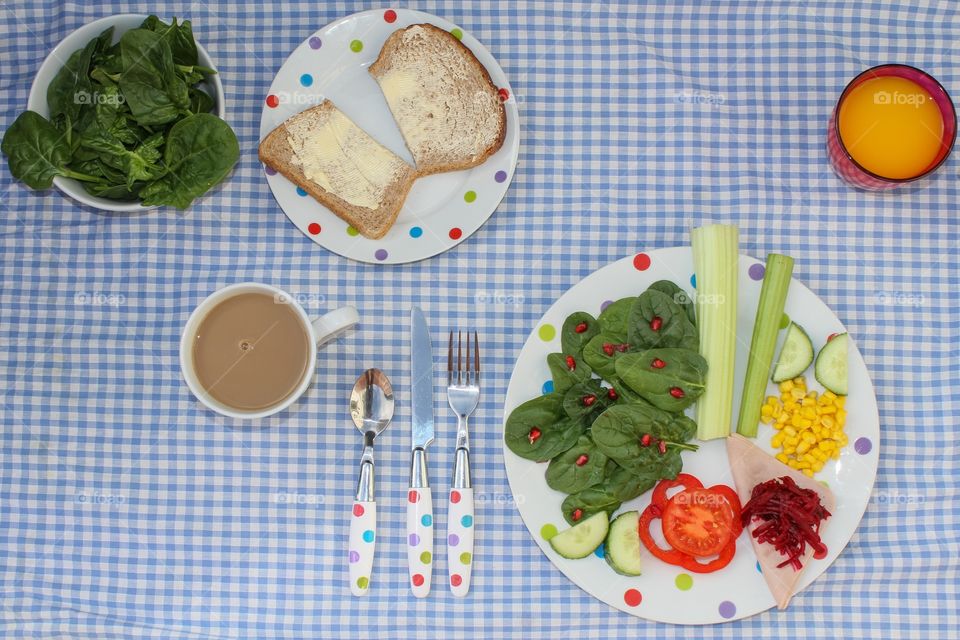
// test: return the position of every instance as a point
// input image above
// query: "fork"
(463, 394)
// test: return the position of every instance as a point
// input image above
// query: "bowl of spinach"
(126, 114)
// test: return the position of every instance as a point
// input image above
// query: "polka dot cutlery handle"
(420, 540)
(363, 537)
(460, 526)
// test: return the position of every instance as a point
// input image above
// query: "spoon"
(371, 407)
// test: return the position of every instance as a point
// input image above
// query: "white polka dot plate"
(441, 210)
(666, 593)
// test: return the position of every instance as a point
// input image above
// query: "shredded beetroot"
(790, 518)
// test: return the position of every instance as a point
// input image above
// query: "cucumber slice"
(831, 367)
(621, 549)
(796, 354)
(582, 539)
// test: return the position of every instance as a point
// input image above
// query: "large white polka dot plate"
(666, 593)
(441, 210)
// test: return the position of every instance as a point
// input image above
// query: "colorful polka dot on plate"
(301, 192)
(784, 321)
(380, 254)
(683, 581)
(547, 531)
(352, 231)
(863, 446)
(315, 42)
(500, 176)
(313, 228)
(470, 196)
(693, 281)
(641, 262)
(356, 46)
(456, 33)
(605, 304)
(306, 80)
(598, 551)
(756, 271)
(632, 597)
(456, 233)
(727, 609)
(416, 232)
(270, 170)
(547, 387)
(547, 332)
(273, 101)
(390, 16)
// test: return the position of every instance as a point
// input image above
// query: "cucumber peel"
(796, 354)
(831, 366)
(583, 538)
(621, 549)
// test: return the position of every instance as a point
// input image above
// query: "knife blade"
(421, 397)
(419, 498)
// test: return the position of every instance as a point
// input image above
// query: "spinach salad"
(613, 426)
(129, 121)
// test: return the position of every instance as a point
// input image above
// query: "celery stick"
(773, 295)
(716, 260)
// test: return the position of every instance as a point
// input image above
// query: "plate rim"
(542, 544)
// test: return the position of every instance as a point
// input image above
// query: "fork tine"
(459, 358)
(467, 376)
(450, 360)
(476, 356)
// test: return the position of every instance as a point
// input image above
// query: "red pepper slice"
(684, 480)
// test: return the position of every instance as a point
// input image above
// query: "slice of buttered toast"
(442, 98)
(323, 152)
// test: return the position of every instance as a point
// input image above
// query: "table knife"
(419, 498)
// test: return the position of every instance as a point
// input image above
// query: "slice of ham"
(750, 466)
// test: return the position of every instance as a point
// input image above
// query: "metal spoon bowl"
(371, 402)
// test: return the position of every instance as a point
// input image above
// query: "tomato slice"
(670, 556)
(699, 522)
(726, 555)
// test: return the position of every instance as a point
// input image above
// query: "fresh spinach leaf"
(37, 151)
(200, 151)
(577, 330)
(657, 321)
(619, 433)
(71, 89)
(149, 82)
(581, 466)
(200, 101)
(563, 376)
(589, 501)
(679, 296)
(626, 485)
(669, 379)
(601, 353)
(586, 400)
(613, 319)
(539, 430)
(179, 38)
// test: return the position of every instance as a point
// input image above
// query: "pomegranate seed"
(658, 363)
(831, 337)
(534, 435)
(582, 459)
(656, 323)
(612, 394)
(589, 400)
(662, 446)
(677, 392)
(622, 347)
(608, 348)
(645, 440)
(580, 328)
(571, 364)
(576, 515)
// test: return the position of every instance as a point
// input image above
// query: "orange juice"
(891, 126)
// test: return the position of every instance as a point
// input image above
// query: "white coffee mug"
(319, 330)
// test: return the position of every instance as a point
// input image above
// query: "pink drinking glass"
(858, 176)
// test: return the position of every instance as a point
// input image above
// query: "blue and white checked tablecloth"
(128, 511)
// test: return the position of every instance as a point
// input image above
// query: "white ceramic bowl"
(55, 61)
